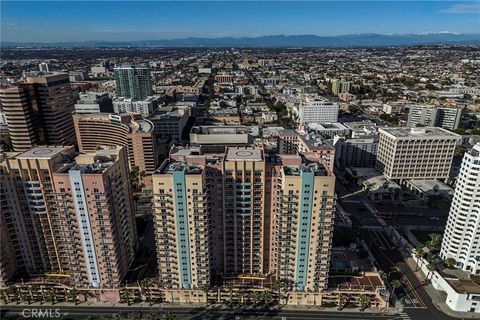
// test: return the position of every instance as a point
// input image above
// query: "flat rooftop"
(244, 154)
(419, 133)
(429, 185)
(220, 130)
(45, 152)
(170, 166)
(316, 168)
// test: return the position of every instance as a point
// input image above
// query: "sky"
(45, 21)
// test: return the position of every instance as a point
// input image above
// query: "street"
(184, 313)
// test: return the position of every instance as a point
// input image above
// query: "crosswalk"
(375, 228)
(405, 316)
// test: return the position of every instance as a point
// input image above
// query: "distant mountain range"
(279, 41)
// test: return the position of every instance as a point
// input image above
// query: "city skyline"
(133, 21)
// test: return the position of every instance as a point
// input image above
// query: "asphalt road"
(417, 302)
(79, 312)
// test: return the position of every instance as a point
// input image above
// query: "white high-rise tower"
(462, 235)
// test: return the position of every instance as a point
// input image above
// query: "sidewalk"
(112, 305)
(439, 297)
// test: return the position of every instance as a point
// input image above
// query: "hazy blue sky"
(123, 20)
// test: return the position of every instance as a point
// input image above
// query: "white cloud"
(473, 7)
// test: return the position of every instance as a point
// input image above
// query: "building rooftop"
(244, 154)
(315, 142)
(170, 166)
(428, 186)
(419, 133)
(316, 168)
(221, 130)
(43, 152)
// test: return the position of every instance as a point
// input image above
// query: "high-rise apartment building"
(133, 82)
(68, 213)
(303, 199)
(444, 117)
(415, 153)
(27, 186)
(38, 111)
(462, 233)
(317, 110)
(243, 212)
(43, 67)
(94, 218)
(182, 224)
(131, 131)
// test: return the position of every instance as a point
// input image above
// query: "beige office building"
(128, 130)
(415, 153)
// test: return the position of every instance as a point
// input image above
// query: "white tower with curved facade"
(462, 235)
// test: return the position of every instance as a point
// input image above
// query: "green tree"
(396, 284)
(254, 296)
(136, 177)
(459, 131)
(435, 241)
(137, 315)
(419, 254)
(450, 263)
(169, 315)
(206, 289)
(431, 268)
(342, 301)
(72, 295)
(126, 295)
(266, 296)
(230, 288)
(364, 302)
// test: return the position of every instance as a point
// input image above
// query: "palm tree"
(50, 296)
(137, 315)
(152, 316)
(431, 268)
(25, 296)
(120, 316)
(255, 296)
(230, 287)
(13, 291)
(364, 301)
(435, 241)
(3, 296)
(34, 289)
(206, 290)
(105, 317)
(266, 296)
(169, 315)
(126, 295)
(450, 263)
(342, 300)
(145, 285)
(396, 284)
(72, 296)
(419, 254)
(240, 295)
(278, 285)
